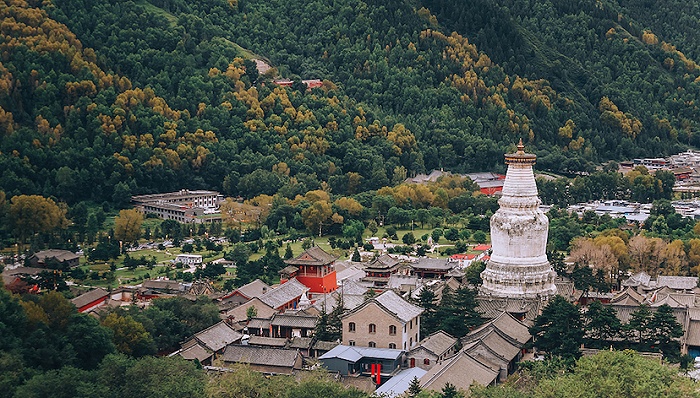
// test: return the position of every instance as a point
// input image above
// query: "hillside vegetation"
(103, 99)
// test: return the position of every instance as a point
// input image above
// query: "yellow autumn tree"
(127, 225)
(33, 214)
(317, 215)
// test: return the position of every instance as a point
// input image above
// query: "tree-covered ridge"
(598, 54)
(79, 131)
(162, 95)
(73, 123)
(394, 56)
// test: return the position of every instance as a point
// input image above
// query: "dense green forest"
(100, 100)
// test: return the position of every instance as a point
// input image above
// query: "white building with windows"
(191, 260)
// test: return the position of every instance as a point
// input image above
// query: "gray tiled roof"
(259, 323)
(294, 321)
(433, 264)
(196, 351)
(640, 278)
(312, 256)
(301, 342)
(255, 288)
(402, 308)
(89, 297)
(325, 345)
(509, 326)
(491, 307)
(397, 281)
(283, 294)
(350, 274)
(260, 356)
(355, 353)
(499, 345)
(628, 296)
(438, 343)
(399, 383)
(240, 313)
(384, 261)
(352, 288)
(60, 255)
(667, 300)
(693, 333)
(218, 336)
(462, 371)
(677, 282)
(350, 302)
(267, 341)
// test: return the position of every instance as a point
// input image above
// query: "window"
(351, 327)
(426, 361)
(351, 342)
(372, 328)
(392, 330)
(372, 344)
(392, 346)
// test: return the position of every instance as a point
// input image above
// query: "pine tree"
(288, 252)
(356, 256)
(602, 324)
(414, 388)
(665, 329)
(429, 321)
(457, 311)
(321, 331)
(450, 391)
(638, 327)
(335, 321)
(559, 330)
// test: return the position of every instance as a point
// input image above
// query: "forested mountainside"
(101, 99)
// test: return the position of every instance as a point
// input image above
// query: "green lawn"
(163, 257)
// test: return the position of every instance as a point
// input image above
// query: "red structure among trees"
(314, 269)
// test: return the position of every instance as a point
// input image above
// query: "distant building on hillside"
(311, 83)
(489, 183)
(184, 206)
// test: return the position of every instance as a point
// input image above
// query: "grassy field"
(124, 276)
(172, 19)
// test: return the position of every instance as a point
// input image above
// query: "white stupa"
(518, 267)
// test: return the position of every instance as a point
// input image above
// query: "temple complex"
(518, 267)
(314, 268)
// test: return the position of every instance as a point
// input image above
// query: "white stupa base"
(518, 281)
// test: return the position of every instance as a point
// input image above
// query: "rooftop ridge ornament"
(518, 267)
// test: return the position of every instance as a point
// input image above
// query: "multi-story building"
(385, 321)
(314, 269)
(184, 206)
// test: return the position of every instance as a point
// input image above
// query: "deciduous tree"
(127, 225)
(32, 214)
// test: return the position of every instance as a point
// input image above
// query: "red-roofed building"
(482, 248)
(90, 300)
